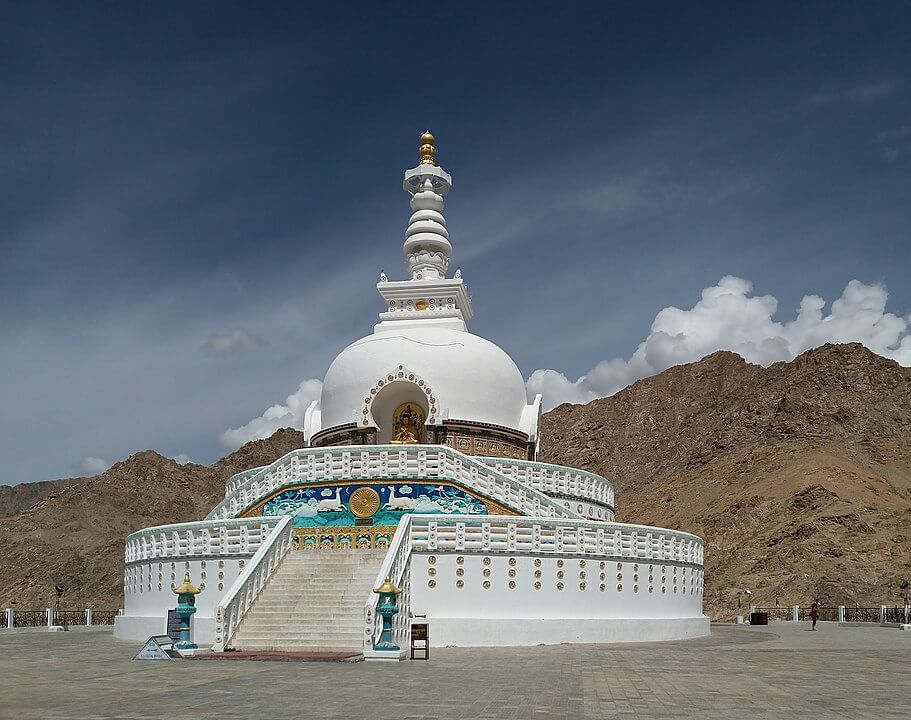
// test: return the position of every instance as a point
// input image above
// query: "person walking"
(814, 613)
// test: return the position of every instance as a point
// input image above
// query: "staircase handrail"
(431, 461)
(246, 588)
(395, 566)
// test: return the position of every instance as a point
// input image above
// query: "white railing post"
(795, 613)
(841, 613)
(882, 614)
(88, 617)
(9, 618)
(50, 617)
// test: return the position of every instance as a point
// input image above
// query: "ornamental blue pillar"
(186, 607)
(386, 608)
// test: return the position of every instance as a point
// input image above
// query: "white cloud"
(94, 465)
(291, 414)
(229, 343)
(730, 317)
(182, 459)
(867, 93)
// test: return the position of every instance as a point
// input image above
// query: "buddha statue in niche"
(407, 425)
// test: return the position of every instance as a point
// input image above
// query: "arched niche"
(390, 399)
(389, 393)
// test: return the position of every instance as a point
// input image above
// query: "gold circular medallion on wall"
(364, 502)
(420, 305)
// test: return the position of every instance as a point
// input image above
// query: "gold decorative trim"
(342, 537)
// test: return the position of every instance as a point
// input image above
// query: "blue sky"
(196, 201)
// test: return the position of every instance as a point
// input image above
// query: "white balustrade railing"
(543, 536)
(235, 481)
(242, 594)
(556, 479)
(384, 462)
(396, 566)
(237, 536)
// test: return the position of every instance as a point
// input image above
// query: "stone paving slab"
(779, 671)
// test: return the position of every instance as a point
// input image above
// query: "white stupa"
(420, 467)
(424, 334)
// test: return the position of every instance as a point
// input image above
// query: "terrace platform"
(779, 671)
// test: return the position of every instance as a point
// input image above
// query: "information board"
(173, 630)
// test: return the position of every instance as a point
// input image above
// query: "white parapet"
(495, 580)
(535, 489)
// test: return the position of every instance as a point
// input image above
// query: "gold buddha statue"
(407, 425)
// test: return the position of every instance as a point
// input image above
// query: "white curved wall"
(471, 378)
(554, 600)
(148, 595)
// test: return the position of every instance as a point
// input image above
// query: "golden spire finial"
(427, 150)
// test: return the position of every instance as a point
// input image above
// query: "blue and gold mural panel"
(353, 504)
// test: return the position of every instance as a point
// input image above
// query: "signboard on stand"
(420, 641)
(157, 647)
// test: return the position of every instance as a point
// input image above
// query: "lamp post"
(386, 608)
(58, 590)
(905, 587)
(186, 606)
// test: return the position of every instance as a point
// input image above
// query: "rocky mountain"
(14, 498)
(73, 534)
(797, 475)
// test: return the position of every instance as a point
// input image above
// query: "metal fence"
(861, 614)
(103, 617)
(66, 618)
(830, 614)
(29, 618)
(776, 613)
(69, 617)
(826, 614)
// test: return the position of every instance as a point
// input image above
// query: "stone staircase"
(313, 602)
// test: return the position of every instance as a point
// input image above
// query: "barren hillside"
(798, 475)
(73, 534)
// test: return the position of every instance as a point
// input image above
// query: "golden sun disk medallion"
(420, 305)
(364, 502)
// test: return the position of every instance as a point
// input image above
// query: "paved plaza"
(783, 671)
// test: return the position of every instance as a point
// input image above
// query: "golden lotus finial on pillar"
(427, 151)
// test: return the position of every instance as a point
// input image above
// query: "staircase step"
(313, 601)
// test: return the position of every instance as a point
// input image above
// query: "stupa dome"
(452, 373)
